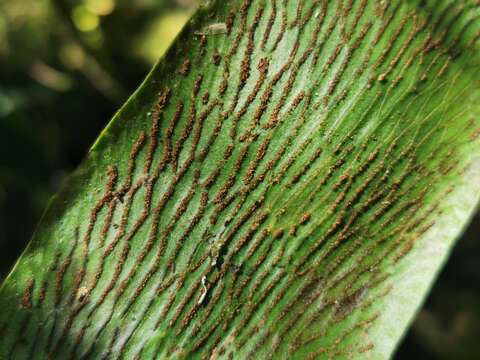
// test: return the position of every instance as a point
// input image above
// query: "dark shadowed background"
(67, 65)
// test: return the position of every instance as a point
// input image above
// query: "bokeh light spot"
(100, 7)
(84, 19)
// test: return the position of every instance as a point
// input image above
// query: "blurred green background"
(67, 65)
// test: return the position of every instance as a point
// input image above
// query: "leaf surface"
(286, 183)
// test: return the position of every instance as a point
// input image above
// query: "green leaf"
(286, 183)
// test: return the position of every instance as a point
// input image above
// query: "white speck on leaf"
(213, 29)
(204, 290)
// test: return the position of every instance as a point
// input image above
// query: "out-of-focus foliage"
(61, 79)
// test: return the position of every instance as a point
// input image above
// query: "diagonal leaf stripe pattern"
(285, 184)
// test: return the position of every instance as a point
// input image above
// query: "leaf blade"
(263, 189)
